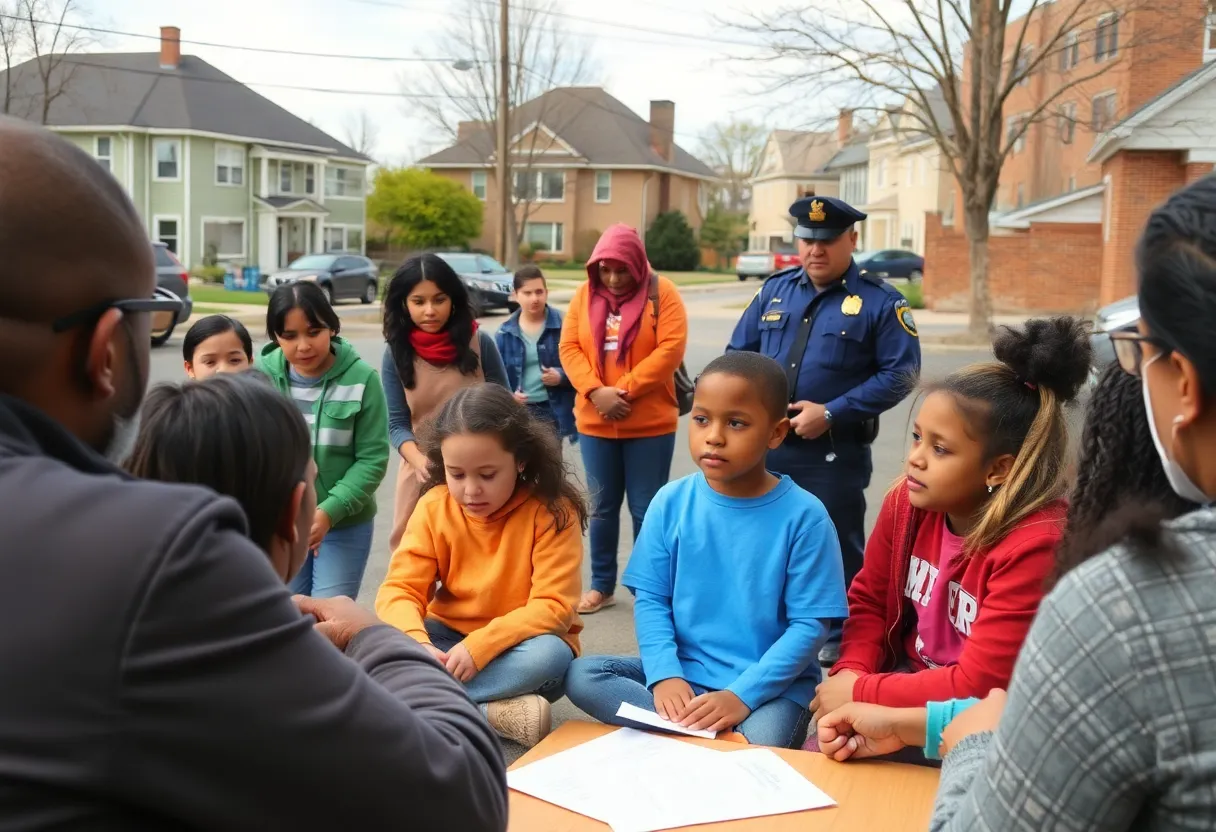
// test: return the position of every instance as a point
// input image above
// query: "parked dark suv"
(341, 276)
(171, 276)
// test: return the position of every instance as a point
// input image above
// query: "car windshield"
(493, 266)
(462, 263)
(313, 261)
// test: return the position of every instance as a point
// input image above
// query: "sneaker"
(524, 719)
(830, 654)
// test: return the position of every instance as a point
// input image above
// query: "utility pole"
(505, 188)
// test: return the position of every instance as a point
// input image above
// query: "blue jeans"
(599, 684)
(337, 567)
(616, 468)
(535, 665)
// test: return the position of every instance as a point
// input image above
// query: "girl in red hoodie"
(955, 567)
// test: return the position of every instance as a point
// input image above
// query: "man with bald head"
(156, 673)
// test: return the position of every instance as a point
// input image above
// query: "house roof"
(132, 90)
(801, 154)
(281, 202)
(851, 155)
(1109, 142)
(1043, 209)
(601, 130)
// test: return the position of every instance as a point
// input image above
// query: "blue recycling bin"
(253, 279)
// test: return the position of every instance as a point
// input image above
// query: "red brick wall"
(1197, 170)
(1139, 181)
(1050, 268)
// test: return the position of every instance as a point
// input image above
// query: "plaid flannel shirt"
(1111, 717)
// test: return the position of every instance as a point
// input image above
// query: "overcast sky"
(635, 66)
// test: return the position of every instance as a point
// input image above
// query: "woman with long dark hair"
(434, 348)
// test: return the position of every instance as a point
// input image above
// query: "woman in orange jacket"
(622, 342)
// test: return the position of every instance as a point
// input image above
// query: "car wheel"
(915, 276)
(163, 338)
(742, 277)
(369, 294)
(328, 291)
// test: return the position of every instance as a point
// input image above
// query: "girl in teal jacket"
(342, 400)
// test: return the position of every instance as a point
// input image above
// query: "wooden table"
(871, 795)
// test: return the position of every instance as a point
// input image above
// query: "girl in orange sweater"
(499, 526)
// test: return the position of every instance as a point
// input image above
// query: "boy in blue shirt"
(736, 577)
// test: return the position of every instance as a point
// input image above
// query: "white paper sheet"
(638, 782)
(640, 715)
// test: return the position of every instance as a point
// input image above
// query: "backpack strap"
(654, 297)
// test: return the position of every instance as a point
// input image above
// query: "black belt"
(855, 433)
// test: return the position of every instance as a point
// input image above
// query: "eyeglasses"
(84, 316)
(1128, 352)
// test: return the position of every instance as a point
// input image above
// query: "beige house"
(581, 161)
(908, 178)
(791, 167)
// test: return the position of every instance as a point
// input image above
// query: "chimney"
(663, 128)
(466, 129)
(170, 47)
(844, 128)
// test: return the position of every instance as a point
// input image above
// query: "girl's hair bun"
(1052, 353)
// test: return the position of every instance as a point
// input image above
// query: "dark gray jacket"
(154, 673)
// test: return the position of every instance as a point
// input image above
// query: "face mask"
(1182, 484)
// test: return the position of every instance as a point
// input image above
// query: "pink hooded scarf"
(620, 242)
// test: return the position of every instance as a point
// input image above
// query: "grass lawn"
(210, 310)
(218, 294)
(679, 278)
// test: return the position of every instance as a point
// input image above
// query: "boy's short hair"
(526, 273)
(765, 375)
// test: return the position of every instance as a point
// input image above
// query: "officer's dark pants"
(840, 485)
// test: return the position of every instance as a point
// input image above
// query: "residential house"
(217, 172)
(791, 167)
(1076, 192)
(908, 176)
(581, 161)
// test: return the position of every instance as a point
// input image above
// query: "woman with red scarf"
(434, 349)
(622, 342)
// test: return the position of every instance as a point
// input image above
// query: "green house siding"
(215, 201)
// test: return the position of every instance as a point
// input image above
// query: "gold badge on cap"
(851, 305)
(817, 213)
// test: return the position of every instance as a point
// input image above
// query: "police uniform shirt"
(863, 353)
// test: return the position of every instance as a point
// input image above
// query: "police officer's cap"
(823, 217)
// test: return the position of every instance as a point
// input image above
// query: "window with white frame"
(1106, 37)
(1209, 36)
(479, 184)
(224, 238)
(103, 152)
(286, 173)
(335, 238)
(909, 232)
(1068, 122)
(310, 179)
(1015, 133)
(540, 186)
(1070, 52)
(229, 164)
(1021, 65)
(603, 186)
(167, 154)
(343, 183)
(544, 236)
(168, 232)
(354, 239)
(1103, 117)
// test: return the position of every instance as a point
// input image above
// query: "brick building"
(1081, 182)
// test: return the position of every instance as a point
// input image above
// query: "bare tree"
(734, 149)
(47, 34)
(894, 57)
(10, 47)
(362, 133)
(543, 56)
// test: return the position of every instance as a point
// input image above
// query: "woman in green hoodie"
(343, 403)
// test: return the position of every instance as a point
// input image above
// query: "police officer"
(850, 351)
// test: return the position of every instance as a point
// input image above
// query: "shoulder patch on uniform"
(903, 313)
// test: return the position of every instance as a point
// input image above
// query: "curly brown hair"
(489, 409)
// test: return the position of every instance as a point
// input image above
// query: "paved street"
(712, 316)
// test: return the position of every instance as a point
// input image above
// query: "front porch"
(288, 228)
